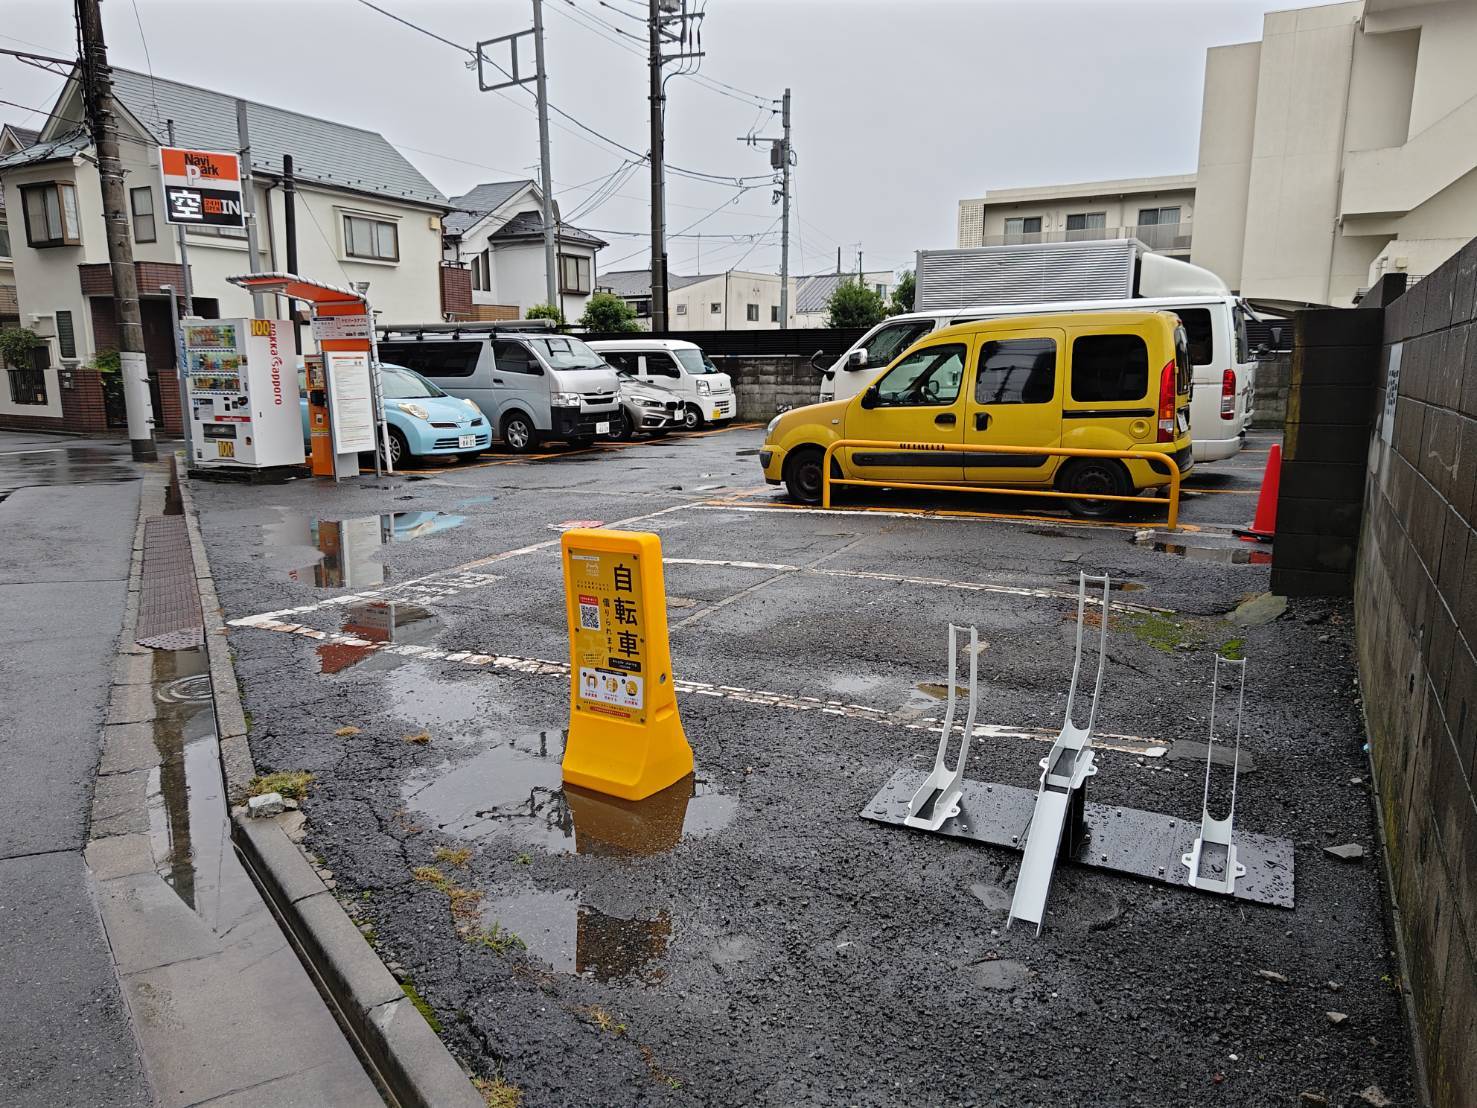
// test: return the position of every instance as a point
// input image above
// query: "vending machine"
(242, 388)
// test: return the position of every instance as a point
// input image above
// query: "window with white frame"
(774, 313)
(51, 214)
(681, 309)
(141, 201)
(66, 335)
(574, 273)
(374, 239)
(482, 272)
(751, 312)
(714, 307)
(1018, 228)
(4, 239)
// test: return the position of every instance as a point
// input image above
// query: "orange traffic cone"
(1264, 526)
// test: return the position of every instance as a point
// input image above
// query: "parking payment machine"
(242, 394)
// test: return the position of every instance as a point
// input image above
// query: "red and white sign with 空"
(202, 188)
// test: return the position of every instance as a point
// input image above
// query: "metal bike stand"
(1057, 828)
(1212, 860)
(937, 799)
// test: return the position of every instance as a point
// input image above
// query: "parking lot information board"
(351, 402)
(625, 736)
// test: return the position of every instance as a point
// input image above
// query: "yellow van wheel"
(1095, 477)
(803, 474)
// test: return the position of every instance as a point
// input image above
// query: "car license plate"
(1184, 422)
(466, 440)
(225, 449)
(602, 428)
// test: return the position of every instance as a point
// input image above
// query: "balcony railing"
(1170, 237)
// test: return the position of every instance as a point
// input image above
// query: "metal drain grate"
(169, 616)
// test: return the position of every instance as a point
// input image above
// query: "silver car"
(645, 409)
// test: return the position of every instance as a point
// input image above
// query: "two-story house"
(497, 231)
(12, 138)
(364, 214)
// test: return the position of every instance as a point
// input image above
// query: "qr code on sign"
(589, 613)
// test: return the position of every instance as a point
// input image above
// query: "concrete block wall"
(1273, 373)
(1330, 408)
(1416, 627)
(765, 383)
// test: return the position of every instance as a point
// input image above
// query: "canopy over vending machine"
(242, 392)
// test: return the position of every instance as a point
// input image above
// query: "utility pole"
(658, 180)
(781, 157)
(289, 232)
(248, 205)
(551, 274)
(515, 76)
(97, 87)
(187, 284)
(662, 14)
(785, 160)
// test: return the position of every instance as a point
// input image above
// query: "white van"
(679, 366)
(1221, 401)
(533, 385)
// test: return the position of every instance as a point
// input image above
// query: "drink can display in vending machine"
(242, 390)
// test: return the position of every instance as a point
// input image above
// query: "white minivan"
(679, 366)
(533, 385)
(1221, 401)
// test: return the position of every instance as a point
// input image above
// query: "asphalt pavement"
(748, 938)
(65, 1037)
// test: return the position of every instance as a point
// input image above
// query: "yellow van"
(1115, 380)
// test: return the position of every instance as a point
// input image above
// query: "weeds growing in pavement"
(494, 938)
(292, 784)
(497, 1093)
(345, 732)
(604, 1020)
(420, 738)
(453, 856)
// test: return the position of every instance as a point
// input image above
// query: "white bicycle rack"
(937, 799)
(1215, 849)
(1057, 826)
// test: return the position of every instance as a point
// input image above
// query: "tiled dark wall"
(1416, 606)
(1330, 405)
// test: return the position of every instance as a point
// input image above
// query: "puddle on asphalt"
(349, 548)
(1225, 555)
(375, 622)
(450, 707)
(188, 831)
(573, 937)
(941, 692)
(516, 790)
(856, 684)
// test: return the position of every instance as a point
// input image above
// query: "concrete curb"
(412, 1060)
(409, 1057)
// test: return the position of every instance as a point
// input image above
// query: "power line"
(699, 175)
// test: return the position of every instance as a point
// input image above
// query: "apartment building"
(1341, 146)
(1156, 210)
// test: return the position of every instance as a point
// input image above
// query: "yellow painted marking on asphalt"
(930, 513)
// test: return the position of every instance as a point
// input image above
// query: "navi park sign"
(202, 188)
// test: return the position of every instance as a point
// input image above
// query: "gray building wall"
(763, 384)
(1416, 612)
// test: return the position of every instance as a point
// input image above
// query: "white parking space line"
(903, 579)
(1123, 744)
(432, 581)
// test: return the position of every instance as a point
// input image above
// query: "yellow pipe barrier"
(1151, 456)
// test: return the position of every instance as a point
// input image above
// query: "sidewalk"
(64, 1029)
(149, 970)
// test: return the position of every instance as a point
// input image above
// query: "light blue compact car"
(424, 421)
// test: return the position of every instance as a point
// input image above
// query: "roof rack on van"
(456, 330)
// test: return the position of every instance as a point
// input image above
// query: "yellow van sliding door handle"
(946, 419)
(981, 420)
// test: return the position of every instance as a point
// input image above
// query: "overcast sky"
(901, 107)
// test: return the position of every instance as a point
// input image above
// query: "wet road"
(30, 460)
(745, 937)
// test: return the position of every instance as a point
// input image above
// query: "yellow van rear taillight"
(1166, 402)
